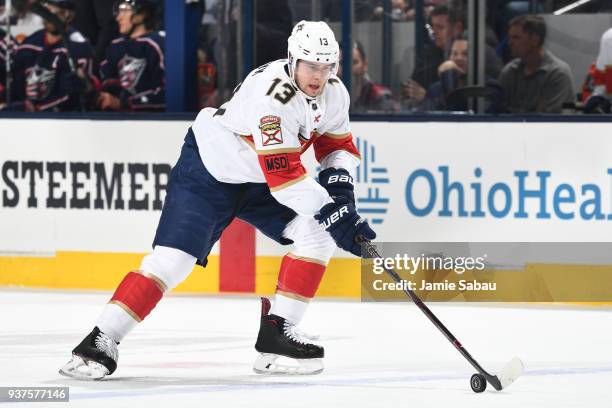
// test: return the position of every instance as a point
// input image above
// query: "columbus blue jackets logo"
(39, 83)
(130, 71)
(271, 133)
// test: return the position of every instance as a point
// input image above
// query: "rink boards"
(80, 199)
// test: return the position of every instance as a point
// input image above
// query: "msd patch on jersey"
(276, 162)
(270, 127)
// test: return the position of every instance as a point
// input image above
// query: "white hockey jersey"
(259, 135)
(603, 65)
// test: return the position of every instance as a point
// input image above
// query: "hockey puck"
(478, 382)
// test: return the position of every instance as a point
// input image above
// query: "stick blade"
(510, 372)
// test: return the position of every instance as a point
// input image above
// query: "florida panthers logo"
(271, 132)
(39, 83)
(130, 71)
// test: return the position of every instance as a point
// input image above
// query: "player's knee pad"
(168, 265)
(140, 291)
(310, 241)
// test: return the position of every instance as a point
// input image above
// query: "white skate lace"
(107, 345)
(305, 335)
(293, 332)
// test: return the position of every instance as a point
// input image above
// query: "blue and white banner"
(99, 185)
(486, 181)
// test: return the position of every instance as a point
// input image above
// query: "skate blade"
(83, 370)
(267, 364)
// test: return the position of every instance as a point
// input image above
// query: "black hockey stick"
(510, 372)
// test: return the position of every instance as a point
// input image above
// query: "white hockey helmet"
(312, 41)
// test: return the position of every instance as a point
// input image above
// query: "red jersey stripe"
(327, 144)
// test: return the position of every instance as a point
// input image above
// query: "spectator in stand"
(53, 66)
(453, 76)
(536, 80)
(94, 19)
(208, 94)
(401, 10)
(446, 24)
(366, 96)
(133, 71)
(25, 22)
(597, 90)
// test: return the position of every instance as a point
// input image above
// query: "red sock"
(300, 276)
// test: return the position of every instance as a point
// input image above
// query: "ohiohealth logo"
(521, 194)
(372, 205)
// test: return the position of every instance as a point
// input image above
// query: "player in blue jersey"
(7, 51)
(5, 45)
(53, 66)
(133, 71)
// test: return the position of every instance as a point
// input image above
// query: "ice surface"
(198, 352)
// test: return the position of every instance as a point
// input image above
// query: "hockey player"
(243, 160)
(599, 101)
(52, 74)
(133, 71)
(6, 44)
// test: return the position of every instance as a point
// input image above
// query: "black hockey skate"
(94, 358)
(279, 338)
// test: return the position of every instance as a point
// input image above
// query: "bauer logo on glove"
(340, 178)
(338, 183)
(334, 217)
(341, 220)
